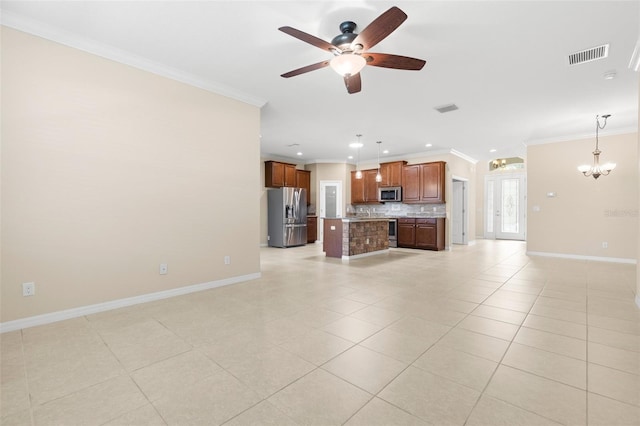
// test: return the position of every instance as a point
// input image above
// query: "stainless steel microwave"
(393, 193)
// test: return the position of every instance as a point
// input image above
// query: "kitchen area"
(405, 209)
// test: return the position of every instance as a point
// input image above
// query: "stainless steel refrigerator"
(287, 217)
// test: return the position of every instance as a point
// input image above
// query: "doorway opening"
(330, 202)
(459, 211)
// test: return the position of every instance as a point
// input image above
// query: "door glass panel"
(331, 201)
(510, 206)
(489, 213)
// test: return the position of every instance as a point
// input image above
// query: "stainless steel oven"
(393, 233)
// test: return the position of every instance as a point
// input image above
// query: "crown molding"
(578, 136)
(30, 26)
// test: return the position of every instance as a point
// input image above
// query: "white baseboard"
(120, 303)
(359, 256)
(581, 257)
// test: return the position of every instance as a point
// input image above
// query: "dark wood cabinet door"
(391, 173)
(303, 180)
(357, 189)
(289, 175)
(430, 233)
(406, 232)
(411, 183)
(432, 182)
(370, 186)
(273, 174)
(312, 229)
(426, 234)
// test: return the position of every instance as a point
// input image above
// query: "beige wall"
(108, 171)
(586, 212)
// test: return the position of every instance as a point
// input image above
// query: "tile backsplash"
(396, 210)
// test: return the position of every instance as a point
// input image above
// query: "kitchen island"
(355, 236)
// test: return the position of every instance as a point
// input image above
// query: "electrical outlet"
(227, 260)
(164, 269)
(421, 209)
(28, 289)
(605, 244)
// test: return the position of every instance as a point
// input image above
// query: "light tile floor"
(480, 335)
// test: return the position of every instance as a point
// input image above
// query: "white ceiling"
(503, 63)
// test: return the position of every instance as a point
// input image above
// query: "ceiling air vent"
(589, 55)
(446, 108)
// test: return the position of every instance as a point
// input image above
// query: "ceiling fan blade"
(398, 62)
(308, 38)
(303, 70)
(353, 83)
(380, 28)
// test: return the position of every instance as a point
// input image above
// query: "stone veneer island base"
(350, 237)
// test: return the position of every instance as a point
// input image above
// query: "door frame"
(497, 179)
(321, 211)
(463, 209)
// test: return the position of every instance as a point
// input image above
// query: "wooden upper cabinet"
(357, 189)
(365, 190)
(303, 180)
(290, 175)
(423, 183)
(411, 183)
(370, 186)
(391, 173)
(432, 182)
(278, 174)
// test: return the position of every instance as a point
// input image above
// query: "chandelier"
(597, 170)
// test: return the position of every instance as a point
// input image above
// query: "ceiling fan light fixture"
(347, 64)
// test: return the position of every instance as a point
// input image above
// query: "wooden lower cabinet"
(406, 232)
(422, 233)
(312, 229)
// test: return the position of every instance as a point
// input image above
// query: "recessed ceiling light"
(350, 157)
(609, 75)
(386, 151)
(355, 145)
(492, 150)
(299, 153)
(428, 145)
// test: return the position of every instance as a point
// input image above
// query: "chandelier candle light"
(597, 170)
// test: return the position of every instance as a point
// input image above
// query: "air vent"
(589, 55)
(446, 108)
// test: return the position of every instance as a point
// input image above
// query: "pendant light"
(358, 145)
(596, 170)
(379, 176)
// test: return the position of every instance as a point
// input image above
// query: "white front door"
(330, 202)
(505, 206)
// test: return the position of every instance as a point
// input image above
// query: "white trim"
(581, 257)
(119, 303)
(464, 156)
(578, 136)
(638, 300)
(94, 47)
(371, 253)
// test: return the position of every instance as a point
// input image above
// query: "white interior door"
(330, 202)
(505, 206)
(459, 212)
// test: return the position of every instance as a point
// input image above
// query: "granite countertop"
(365, 219)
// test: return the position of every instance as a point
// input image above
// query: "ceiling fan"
(351, 51)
